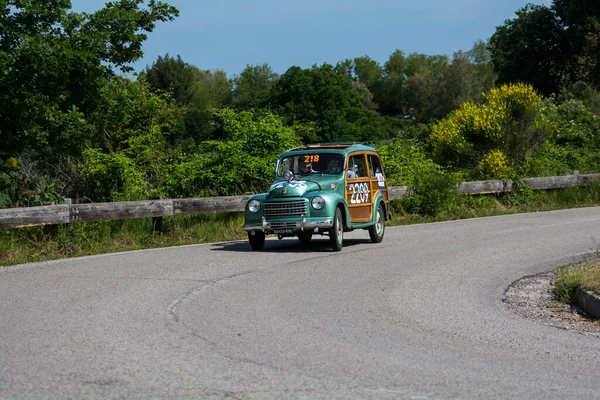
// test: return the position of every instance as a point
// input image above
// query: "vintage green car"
(321, 189)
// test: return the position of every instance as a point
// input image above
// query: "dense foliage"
(495, 135)
(524, 103)
(550, 47)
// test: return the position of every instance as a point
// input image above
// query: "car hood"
(298, 188)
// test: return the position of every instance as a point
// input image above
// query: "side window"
(374, 166)
(284, 165)
(356, 166)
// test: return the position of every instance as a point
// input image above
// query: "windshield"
(307, 164)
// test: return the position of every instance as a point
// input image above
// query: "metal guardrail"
(156, 209)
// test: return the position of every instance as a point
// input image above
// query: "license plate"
(283, 230)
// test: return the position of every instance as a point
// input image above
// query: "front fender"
(334, 200)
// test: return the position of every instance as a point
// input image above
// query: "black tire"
(336, 232)
(257, 241)
(377, 230)
(305, 238)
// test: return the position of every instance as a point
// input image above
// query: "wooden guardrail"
(70, 213)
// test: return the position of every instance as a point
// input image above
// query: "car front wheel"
(305, 238)
(257, 240)
(336, 232)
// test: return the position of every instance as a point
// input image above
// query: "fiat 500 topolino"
(321, 189)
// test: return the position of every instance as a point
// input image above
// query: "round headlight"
(318, 202)
(288, 175)
(254, 205)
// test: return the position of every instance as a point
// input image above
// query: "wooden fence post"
(51, 230)
(158, 224)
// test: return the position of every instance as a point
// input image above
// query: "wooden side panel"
(359, 199)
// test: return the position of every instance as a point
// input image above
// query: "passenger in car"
(353, 171)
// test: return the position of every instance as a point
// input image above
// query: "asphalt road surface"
(419, 316)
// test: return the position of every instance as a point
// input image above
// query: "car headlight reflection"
(318, 202)
(254, 206)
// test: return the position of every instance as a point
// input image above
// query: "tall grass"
(73, 240)
(585, 275)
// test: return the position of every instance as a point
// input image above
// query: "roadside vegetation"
(25, 245)
(77, 122)
(584, 275)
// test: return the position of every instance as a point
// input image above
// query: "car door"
(358, 189)
(377, 180)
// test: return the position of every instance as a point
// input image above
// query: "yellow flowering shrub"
(510, 120)
(12, 163)
(494, 164)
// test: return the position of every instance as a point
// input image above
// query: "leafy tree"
(368, 71)
(253, 86)
(214, 92)
(482, 69)
(550, 47)
(391, 97)
(197, 90)
(346, 67)
(175, 76)
(429, 87)
(581, 21)
(366, 75)
(364, 92)
(530, 48)
(54, 63)
(326, 97)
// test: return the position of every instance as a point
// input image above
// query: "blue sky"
(229, 34)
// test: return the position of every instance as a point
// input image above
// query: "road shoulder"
(531, 297)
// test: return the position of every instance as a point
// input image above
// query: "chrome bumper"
(301, 224)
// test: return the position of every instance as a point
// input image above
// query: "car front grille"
(284, 209)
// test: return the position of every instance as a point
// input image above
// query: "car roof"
(338, 147)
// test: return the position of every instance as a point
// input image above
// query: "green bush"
(113, 177)
(404, 161)
(552, 160)
(520, 195)
(575, 125)
(432, 191)
(23, 183)
(244, 162)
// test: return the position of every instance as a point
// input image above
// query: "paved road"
(418, 316)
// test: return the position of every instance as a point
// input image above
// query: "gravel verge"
(532, 298)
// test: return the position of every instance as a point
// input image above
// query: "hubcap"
(339, 229)
(379, 225)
